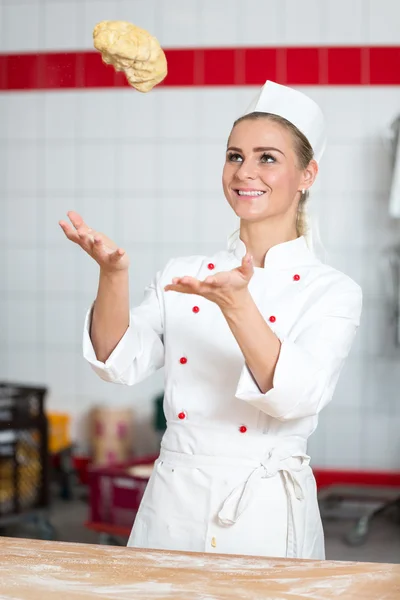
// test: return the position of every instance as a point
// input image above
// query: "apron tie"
(239, 499)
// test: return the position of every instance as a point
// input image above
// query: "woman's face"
(261, 176)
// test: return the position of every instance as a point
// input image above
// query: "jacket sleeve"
(140, 351)
(310, 362)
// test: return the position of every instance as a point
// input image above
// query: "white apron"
(262, 502)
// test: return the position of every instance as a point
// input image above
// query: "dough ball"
(133, 51)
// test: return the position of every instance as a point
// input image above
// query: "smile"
(249, 192)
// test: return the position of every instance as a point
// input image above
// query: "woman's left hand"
(227, 289)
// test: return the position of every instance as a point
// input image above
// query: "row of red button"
(183, 359)
(182, 415)
(196, 309)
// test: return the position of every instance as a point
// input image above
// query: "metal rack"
(24, 457)
(358, 497)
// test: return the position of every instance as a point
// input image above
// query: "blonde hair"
(304, 153)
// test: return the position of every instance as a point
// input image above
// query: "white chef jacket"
(233, 474)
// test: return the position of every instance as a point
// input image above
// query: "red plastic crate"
(115, 494)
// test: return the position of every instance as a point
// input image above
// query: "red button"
(211, 266)
(296, 277)
(272, 319)
(243, 429)
(183, 360)
(195, 309)
(182, 416)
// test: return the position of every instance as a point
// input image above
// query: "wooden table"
(37, 570)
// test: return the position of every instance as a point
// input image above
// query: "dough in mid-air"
(132, 50)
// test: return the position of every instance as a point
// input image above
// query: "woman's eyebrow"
(258, 149)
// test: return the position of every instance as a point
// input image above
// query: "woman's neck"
(260, 237)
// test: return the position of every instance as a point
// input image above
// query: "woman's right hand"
(104, 251)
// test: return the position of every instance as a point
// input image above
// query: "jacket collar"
(288, 254)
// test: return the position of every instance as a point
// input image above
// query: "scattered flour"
(49, 571)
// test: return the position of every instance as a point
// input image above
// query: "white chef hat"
(296, 107)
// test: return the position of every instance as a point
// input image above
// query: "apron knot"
(239, 499)
(271, 465)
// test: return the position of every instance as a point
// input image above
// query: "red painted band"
(201, 67)
(327, 477)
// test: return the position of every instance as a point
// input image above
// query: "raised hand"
(104, 251)
(226, 289)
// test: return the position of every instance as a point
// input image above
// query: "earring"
(303, 192)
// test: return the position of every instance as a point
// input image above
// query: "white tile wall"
(60, 364)
(346, 427)
(22, 26)
(146, 170)
(25, 363)
(384, 17)
(18, 231)
(352, 114)
(177, 170)
(3, 172)
(96, 166)
(219, 23)
(22, 325)
(139, 217)
(381, 385)
(179, 23)
(59, 167)
(4, 106)
(268, 29)
(349, 396)
(179, 113)
(139, 167)
(62, 114)
(349, 174)
(3, 288)
(379, 339)
(98, 117)
(380, 442)
(304, 23)
(353, 29)
(179, 218)
(21, 268)
(60, 269)
(23, 167)
(210, 161)
(24, 111)
(376, 274)
(345, 218)
(62, 25)
(60, 322)
(218, 110)
(138, 114)
(382, 104)
(68, 24)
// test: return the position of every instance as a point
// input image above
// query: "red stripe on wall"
(210, 67)
(327, 477)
